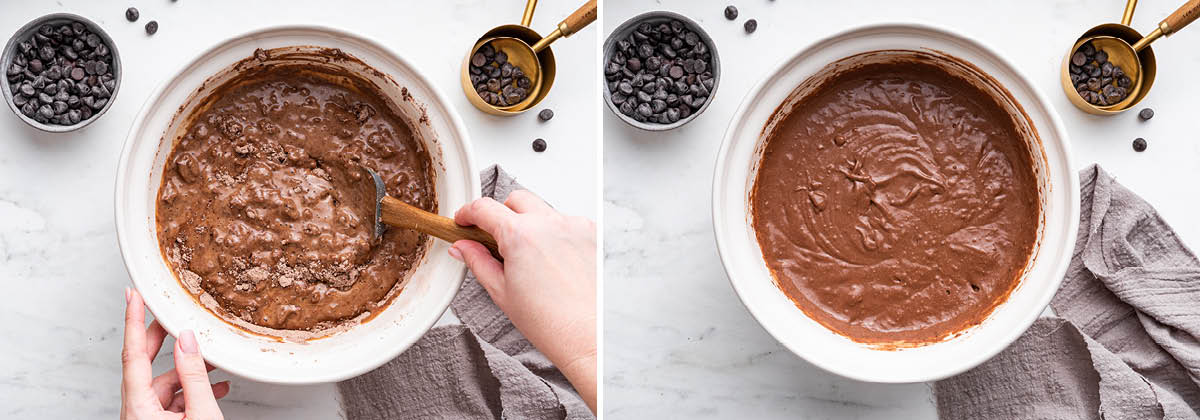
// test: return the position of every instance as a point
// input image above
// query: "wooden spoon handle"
(406, 216)
(1180, 18)
(582, 17)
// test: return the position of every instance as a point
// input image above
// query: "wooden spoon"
(390, 211)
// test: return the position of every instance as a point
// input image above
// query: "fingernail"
(187, 342)
(127, 295)
(455, 253)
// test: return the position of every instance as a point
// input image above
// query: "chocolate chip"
(539, 145)
(46, 53)
(1124, 82)
(478, 59)
(731, 12)
(644, 110)
(546, 114)
(1078, 58)
(634, 64)
(1101, 57)
(1139, 144)
(1146, 114)
(750, 26)
(131, 14)
(151, 27)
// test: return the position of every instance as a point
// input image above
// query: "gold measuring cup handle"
(1127, 17)
(582, 17)
(1174, 23)
(527, 17)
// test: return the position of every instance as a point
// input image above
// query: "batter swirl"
(896, 203)
(257, 213)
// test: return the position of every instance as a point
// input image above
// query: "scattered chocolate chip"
(751, 26)
(539, 145)
(546, 114)
(1145, 114)
(1139, 144)
(731, 13)
(131, 14)
(151, 27)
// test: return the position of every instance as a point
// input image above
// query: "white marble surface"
(678, 343)
(60, 269)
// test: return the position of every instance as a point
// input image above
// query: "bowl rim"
(438, 96)
(10, 49)
(725, 244)
(628, 26)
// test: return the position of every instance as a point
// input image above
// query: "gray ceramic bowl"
(27, 31)
(656, 17)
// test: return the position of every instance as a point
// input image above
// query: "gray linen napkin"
(1125, 342)
(482, 369)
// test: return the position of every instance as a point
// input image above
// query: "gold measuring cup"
(1129, 50)
(527, 50)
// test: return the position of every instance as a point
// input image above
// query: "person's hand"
(146, 397)
(547, 282)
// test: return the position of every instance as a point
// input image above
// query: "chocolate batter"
(896, 204)
(257, 213)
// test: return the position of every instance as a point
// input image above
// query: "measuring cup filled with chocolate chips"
(510, 68)
(1111, 67)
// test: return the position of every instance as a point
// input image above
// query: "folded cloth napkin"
(482, 369)
(1126, 340)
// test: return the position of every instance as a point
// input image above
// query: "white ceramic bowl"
(347, 354)
(734, 177)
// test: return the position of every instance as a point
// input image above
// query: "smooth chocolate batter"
(257, 211)
(897, 203)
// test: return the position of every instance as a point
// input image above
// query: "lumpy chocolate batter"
(896, 203)
(257, 211)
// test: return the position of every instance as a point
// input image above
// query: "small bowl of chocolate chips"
(660, 71)
(61, 72)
